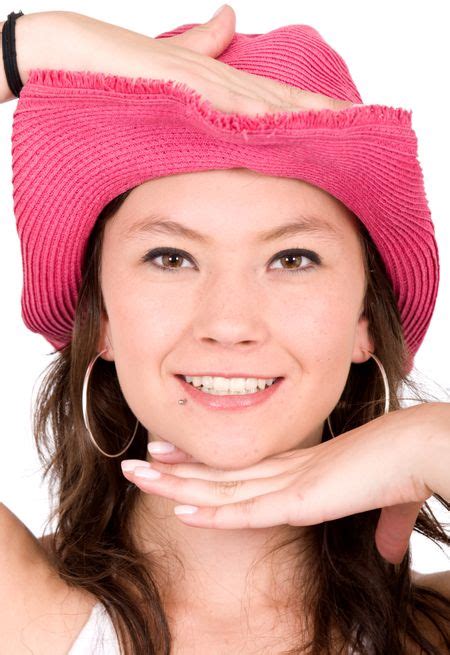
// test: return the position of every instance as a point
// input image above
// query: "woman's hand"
(382, 464)
(72, 41)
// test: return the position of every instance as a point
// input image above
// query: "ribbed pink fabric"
(80, 139)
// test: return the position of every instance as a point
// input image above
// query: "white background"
(397, 54)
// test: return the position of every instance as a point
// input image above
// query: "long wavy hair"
(352, 597)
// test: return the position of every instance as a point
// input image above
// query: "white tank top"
(98, 636)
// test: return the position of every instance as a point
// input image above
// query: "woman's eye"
(292, 261)
(168, 256)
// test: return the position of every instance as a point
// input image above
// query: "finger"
(175, 456)
(312, 100)
(203, 492)
(210, 38)
(394, 529)
(289, 507)
(265, 468)
(261, 511)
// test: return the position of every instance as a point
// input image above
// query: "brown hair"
(351, 591)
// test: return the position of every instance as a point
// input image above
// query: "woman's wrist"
(40, 43)
(422, 446)
(434, 449)
(72, 41)
(5, 91)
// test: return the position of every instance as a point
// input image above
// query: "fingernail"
(185, 509)
(160, 447)
(218, 11)
(130, 464)
(150, 473)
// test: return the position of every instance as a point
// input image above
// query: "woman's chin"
(229, 458)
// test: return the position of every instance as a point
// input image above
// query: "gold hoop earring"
(85, 414)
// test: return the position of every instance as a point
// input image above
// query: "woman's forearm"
(39, 44)
(72, 41)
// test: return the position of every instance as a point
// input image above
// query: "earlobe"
(363, 342)
(104, 342)
(109, 355)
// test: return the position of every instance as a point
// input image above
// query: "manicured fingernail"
(185, 509)
(160, 447)
(130, 464)
(150, 474)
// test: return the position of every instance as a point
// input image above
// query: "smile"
(229, 400)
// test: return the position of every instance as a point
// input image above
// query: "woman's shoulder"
(39, 612)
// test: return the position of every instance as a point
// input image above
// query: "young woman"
(306, 492)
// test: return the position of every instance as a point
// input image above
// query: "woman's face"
(231, 302)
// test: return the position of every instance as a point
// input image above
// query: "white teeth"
(222, 385)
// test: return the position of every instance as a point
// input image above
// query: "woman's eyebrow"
(159, 224)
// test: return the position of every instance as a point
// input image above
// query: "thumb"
(394, 529)
(210, 38)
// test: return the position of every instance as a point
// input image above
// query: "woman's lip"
(240, 401)
(227, 377)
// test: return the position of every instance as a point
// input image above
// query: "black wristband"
(9, 53)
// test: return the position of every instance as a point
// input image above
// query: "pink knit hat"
(79, 139)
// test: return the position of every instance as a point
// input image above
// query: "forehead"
(205, 205)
